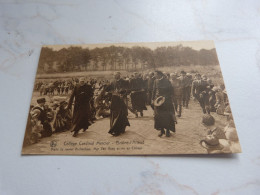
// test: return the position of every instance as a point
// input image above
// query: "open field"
(212, 71)
(185, 141)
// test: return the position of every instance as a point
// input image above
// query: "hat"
(159, 101)
(208, 120)
(41, 100)
(35, 113)
(211, 142)
(159, 72)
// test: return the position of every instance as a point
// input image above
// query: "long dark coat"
(150, 83)
(118, 114)
(164, 115)
(138, 94)
(81, 113)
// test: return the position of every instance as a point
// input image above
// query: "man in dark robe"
(137, 95)
(164, 115)
(150, 88)
(81, 113)
(145, 87)
(201, 93)
(118, 109)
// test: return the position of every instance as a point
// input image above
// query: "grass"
(211, 71)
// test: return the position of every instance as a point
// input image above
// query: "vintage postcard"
(130, 99)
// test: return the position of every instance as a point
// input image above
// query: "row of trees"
(121, 58)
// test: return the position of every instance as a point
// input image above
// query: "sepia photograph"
(158, 98)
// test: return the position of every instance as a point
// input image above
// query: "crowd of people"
(88, 100)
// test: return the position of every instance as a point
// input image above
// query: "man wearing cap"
(41, 114)
(82, 94)
(164, 118)
(177, 93)
(185, 84)
(188, 90)
(118, 108)
(137, 94)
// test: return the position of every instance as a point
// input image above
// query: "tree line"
(115, 58)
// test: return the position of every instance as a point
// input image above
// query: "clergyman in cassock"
(138, 96)
(164, 114)
(150, 88)
(118, 113)
(82, 94)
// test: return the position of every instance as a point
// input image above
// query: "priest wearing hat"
(164, 115)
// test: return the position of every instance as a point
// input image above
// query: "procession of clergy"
(166, 93)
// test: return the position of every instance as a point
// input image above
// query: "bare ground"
(140, 138)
